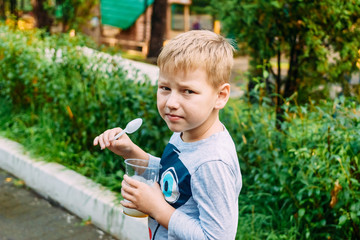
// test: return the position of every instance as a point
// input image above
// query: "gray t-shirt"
(202, 181)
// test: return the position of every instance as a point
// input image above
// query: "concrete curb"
(72, 191)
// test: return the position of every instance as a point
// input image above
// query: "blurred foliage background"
(320, 41)
(298, 148)
(300, 182)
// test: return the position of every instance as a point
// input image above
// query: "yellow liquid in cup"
(134, 213)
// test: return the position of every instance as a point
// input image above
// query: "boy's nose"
(172, 101)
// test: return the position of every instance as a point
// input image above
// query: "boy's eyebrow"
(181, 84)
(162, 80)
(161, 77)
(188, 86)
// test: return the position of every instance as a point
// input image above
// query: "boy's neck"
(205, 132)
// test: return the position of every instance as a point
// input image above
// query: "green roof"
(122, 13)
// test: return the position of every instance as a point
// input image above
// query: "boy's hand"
(122, 146)
(143, 197)
(147, 199)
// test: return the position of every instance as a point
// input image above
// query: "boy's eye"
(188, 91)
(165, 88)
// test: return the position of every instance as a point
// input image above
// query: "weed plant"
(299, 182)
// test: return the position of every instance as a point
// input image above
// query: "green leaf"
(301, 212)
(343, 219)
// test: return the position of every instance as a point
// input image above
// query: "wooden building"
(128, 22)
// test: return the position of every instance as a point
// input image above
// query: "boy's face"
(187, 102)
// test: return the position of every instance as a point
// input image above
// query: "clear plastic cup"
(139, 170)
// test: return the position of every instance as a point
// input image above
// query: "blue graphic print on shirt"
(174, 177)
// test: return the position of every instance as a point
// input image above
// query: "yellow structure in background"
(170, 32)
(217, 26)
(72, 33)
(26, 22)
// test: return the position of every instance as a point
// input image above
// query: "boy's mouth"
(173, 117)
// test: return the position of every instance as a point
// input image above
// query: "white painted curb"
(72, 191)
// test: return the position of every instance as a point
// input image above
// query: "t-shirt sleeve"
(153, 161)
(214, 190)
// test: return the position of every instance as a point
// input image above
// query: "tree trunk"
(13, 9)
(2, 9)
(65, 24)
(41, 15)
(292, 82)
(279, 101)
(158, 28)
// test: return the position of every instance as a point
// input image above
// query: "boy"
(200, 178)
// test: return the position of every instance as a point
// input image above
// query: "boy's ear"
(223, 96)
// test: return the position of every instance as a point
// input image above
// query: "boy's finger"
(127, 193)
(131, 182)
(127, 187)
(156, 185)
(101, 142)
(111, 136)
(113, 133)
(96, 140)
(127, 204)
(106, 138)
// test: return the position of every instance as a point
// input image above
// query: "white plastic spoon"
(131, 127)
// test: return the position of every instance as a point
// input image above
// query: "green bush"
(61, 94)
(301, 182)
(298, 183)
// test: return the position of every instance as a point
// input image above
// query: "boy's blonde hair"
(198, 49)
